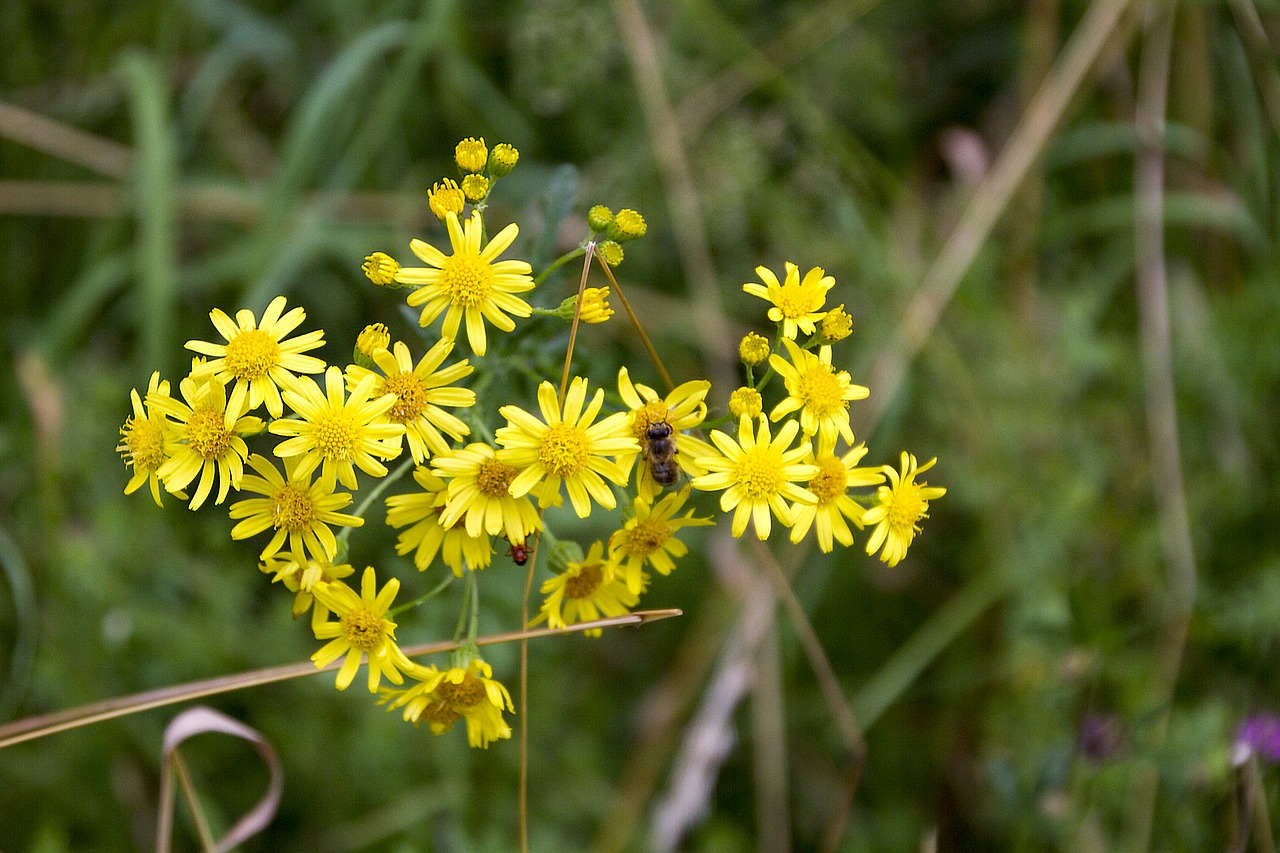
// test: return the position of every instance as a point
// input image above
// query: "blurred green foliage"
(266, 148)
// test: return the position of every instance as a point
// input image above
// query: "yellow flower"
(470, 283)
(299, 510)
(565, 446)
(444, 198)
(372, 338)
(682, 409)
(420, 392)
(361, 630)
(480, 493)
(475, 188)
(471, 154)
(595, 305)
(300, 576)
(257, 356)
(796, 302)
(903, 503)
(466, 692)
(836, 475)
(610, 252)
(837, 324)
(380, 268)
(502, 159)
(818, 390)
(147, 440)
(427, 537)
(753, 349)
(585, 591)
(211, 433)
(758, 474)
(338, 431)
(649, 537)
(746, 401)
(626, 225)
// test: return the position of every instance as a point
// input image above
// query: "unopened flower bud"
(837, 324)
(446, 197)
(471, 155)
(381, 268)
(599, 218)
(746, 401)
(609, 252)
(627, 225)
(753, 349)
(475, 187)
(502, 159)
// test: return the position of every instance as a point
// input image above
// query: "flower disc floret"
(380, 268)
(471, 154)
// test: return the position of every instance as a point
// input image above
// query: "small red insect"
(518, 552)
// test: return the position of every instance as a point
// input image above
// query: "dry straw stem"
(1097, 28)
(1161, 410)
(989, 201)
(47, 724)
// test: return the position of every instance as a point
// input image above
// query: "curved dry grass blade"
(199, 720)
(59, 721)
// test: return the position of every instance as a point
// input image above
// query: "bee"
(660, 453)
(519, 552)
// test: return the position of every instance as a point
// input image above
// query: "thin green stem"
(345, 535)
(422, 599)
(468, 603)
(561, 261)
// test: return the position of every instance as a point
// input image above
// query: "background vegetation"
(1052, 668)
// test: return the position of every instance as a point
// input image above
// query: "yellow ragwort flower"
(444, 198)
(649, 538)
(902, 504)
(585, 591)
(595, 305)
(837, 324)
(475, 188)
(502, 159)
(147, 439)
(753, 349)
(796, 303)
(471, 154)
(819, 391)
(211, 434)
(746, 401)
(426, 536)
(470, 283)
(300, 511)
(468, 692)
(380, 268)
(627, 225)
(610, 252)
(480, 494)
(836, 475)
(682, 409)
(372, 338)
(420, 392)
(566, 447)
(338, 431)
(758, 474)
(362, 630)
(257, 356)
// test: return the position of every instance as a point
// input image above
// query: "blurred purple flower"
(1100, 737)
(1258, 735)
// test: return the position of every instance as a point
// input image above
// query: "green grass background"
(242, 150)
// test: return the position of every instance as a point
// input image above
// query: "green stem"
(559, 262)
(422, 599)
(374, 494)
(468, 599)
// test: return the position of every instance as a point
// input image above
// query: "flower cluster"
(801, 476)
(477, 486)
